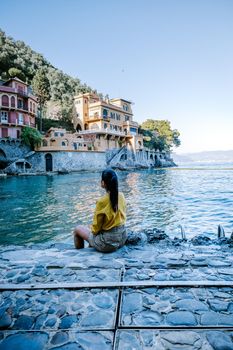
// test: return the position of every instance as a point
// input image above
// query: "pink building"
(18, 108)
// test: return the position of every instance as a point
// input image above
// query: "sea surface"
(198, 196)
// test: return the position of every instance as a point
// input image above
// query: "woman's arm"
(98, 220)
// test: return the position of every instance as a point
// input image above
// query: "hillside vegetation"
(18, 59)
(55, 91)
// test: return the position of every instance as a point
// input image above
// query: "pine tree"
(41, 88)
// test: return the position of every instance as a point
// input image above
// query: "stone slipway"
(165, 295)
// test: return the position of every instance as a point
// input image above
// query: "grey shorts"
(108, 241)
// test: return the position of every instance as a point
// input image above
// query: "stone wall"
(68, 161)
(13, 149)
(17, 158)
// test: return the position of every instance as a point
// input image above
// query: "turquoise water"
(46, 208)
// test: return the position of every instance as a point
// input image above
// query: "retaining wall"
(68, 161)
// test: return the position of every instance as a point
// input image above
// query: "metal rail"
(120, 284)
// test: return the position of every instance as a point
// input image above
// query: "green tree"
(15, 72)
(41, 88)
(159, 135)
(31, 137)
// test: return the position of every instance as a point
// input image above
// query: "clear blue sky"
(172, 58)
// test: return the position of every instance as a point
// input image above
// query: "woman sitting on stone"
(108, 231)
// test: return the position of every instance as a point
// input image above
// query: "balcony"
(22, 108)
(104, 131)
(131, 123)
(21, 93)
(94, 117)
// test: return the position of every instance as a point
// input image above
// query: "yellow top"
(105, 218)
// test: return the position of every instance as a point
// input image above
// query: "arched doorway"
(78, 128)
(123, 157)
(3, 159)
(48, 162)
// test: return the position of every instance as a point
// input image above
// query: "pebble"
(191, 305)
(218, 305)
(68, 321)
(103, 301)
(98, 319)
(181, 318)
(60, 338)
(24, 322)
(132, 303)
(86, 340)
(5, 320)
(32, 341)
(219, 341)
(178, 338)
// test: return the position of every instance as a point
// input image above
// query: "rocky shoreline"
(154, 293)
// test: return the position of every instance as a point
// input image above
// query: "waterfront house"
(18, 108)
(100, 126)
(105, 134)
(108, 123)
(58, 139)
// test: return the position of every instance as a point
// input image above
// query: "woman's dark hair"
(109, 177)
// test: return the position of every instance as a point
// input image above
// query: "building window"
(56, 134)
(105, 113)
(126, 118)
(133, 131)
(30, 106)
(5, 100)
(34, 107)
(45, 143)
(4, 117)
(12, 101)
(126, 107)
(4, 132)
(65, 143)
(118, 116)
(105, 125)
(20, 119)
(20, 104)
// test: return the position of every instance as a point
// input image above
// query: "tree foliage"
(158, 134)
(31, 137)
(41, 87)
(15, 72)
(17, 55)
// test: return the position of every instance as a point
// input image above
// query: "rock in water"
(183, 235)
(221, 232)
(136, 238)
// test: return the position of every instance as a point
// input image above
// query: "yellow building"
(107, 123)
(58, 139)
(100, 125)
